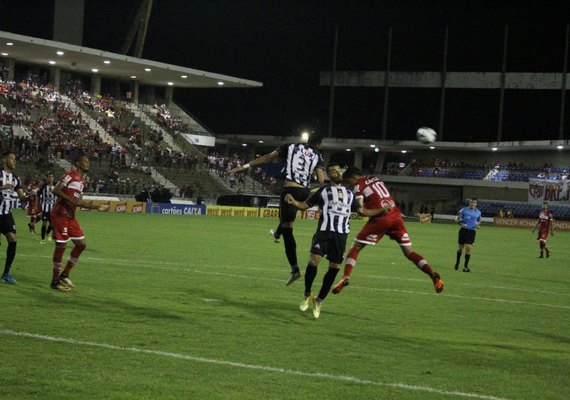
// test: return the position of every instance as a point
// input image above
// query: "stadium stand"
(490, 208)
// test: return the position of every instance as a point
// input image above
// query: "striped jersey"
(300, 162)
(9, 196)
(47, 197)
(336, 204)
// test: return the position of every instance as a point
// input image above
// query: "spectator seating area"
(55, 132)
(481, 171)
(521, 210)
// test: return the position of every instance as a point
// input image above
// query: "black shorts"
(331, 244)
(288, 212)
(7, 224)
(46, 216)
(466, 236)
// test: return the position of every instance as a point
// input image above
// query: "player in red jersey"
(69, 192)
(545, 224)
(371, 192)
(34, 207)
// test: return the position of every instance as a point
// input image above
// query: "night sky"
(285, 44)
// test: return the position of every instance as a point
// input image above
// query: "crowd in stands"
(165, 118)
(222, 165)
(501, 209)
(482, 170)
(57, 132)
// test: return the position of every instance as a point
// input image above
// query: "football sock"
(328, 281)
(49, 229)
(10, 255)
(310, 274)
(44, 229)
(75, 253)
(57, 256)
(421, 263)
(351, 261)
(457, 258)
(290, 246)
(467, 258)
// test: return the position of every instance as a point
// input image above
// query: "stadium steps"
(86, 117)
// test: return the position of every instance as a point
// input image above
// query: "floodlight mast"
(139, 29)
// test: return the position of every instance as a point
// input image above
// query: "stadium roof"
(48, 53)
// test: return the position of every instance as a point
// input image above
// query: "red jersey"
(545, 218)
(375, 194)
(74, 185)
(33, 200)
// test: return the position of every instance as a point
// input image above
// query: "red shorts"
(66, 229)
(542, 234)
(391, 225)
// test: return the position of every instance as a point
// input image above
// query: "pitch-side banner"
(555, 192)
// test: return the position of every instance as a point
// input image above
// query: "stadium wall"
(527, 158)
(447, 193)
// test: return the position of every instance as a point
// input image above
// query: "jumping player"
(373, 194)
(301, 162)
(336, 203)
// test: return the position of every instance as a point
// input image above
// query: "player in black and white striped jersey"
(301, 161)
(47, 200)
(336, 202)
(10, 186)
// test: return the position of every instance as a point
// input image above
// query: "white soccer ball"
(426, 135)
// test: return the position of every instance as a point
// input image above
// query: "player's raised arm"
(264, 159)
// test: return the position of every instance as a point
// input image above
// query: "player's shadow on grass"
(105, 305)
(275, 308)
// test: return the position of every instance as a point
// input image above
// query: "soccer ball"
(426, 135)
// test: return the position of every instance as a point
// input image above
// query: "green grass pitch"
(170, 307)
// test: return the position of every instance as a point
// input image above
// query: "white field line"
(165, 265)
(234, 364)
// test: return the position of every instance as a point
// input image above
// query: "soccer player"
(545, 224)
(47, 200)
(373, 194)
(34, 208)
(301, 162)
(10, 184)
(470, 220)
(69, 191)
(336, 203)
